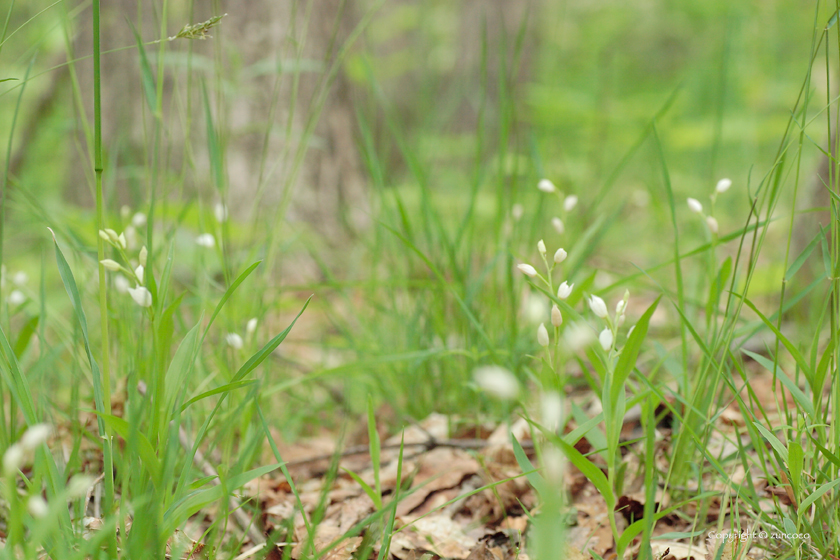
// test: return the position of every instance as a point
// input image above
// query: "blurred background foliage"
(440, 117)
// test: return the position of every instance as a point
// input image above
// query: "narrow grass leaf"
(773, 440)
(816, 495)
(627, 359)
(228, 387)
(801, 399)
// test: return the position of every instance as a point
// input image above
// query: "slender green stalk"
(108, 458)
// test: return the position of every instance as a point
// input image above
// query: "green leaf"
(374, 496)
(819, 492)
(70, 286)
(774, 441)
(222, 389)
(181, 366)
(229, 292)
(796, 462)
(144, 447)
(629, 354)
(534, 477)
(193, 502)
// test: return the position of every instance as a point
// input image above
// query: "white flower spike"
(606, 339)
(141, 296)
(723, 185)
(558, 226)
(695, 206)
(497, 381)
(546, 186)
(542, 335)
(234, 341)
(598, 307)
(560, 255)
(570, 203)
(564, 290)
(527, 270)
(556, 316)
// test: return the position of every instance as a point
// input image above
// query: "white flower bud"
(497, 381)
(620, 320)
(16, 298)
(141, 296)
(560, 255)
(122, 241)
(144, 256)
(556, 316)
(527, 270)
(570, 203)
(121, 284)
(12, 460)
(542, 335)
(131, 237)
(220, 211)
(125, 211)
(20, 278)
(558, 226)
(517, 212)
(139, 220)
(564, 290)
(138, 272)
(723, 185)
(606, 339)
(205, 240)
(598, 307)
(112, 236)
(111, 265)
(712, 223)
(695, 206)
(37, 507)
(234, 341)
(104, 235)
(35, 436)
(251, 327)
(541, 247)
(620, 307)
(546, 186)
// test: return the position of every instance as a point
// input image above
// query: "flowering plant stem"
(100, 249)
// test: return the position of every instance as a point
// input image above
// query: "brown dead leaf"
(440, 469)
(325, 534)
(436, 533)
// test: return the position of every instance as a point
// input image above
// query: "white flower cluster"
(599, 308)
(697, 207)
(235, 341)
(139, 293)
